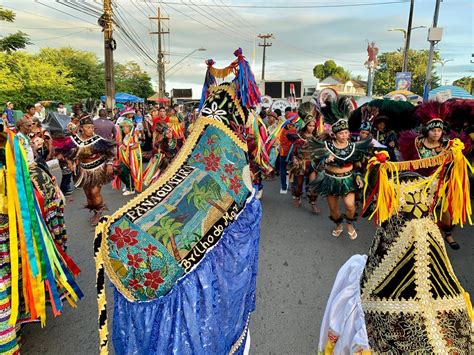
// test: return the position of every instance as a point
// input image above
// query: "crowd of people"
(317, 150)
(97, 148)
(321, 150)
(324, 151)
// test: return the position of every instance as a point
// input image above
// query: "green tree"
(391, 63)
(85, 71)
(26, 79)
(205, 194)
(14, 41)
(130, 78)
(166, 232)
(465, 82)
(330, 68)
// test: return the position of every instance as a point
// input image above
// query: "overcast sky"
(305, 35)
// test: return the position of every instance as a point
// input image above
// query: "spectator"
(161, 118)
(8, 111)
(30, 112)
(104, 127)
(62, 109)
(40, 111)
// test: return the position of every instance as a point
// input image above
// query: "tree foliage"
(86, 75)
(132, 79)
(63, 74)
(14, 41)
(330, 68)
(465, 82)
(26, 79)
(392, 62)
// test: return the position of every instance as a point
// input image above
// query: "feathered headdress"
(459, 113)
(398, 115)
(85, 119)
(307, 112)
(336, 113)
(432, 114)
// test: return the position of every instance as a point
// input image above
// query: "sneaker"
(124, 189)
(259, 194)
(283, 192)
(127, 192)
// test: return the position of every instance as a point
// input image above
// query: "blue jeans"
(66, 183)
(283, 164)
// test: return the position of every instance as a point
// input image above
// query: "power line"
(126, 25)
(46, 17)
(51, 28)
(218, 21)
(196, 20)
(66, 35)
(132, 36)
(296, 6)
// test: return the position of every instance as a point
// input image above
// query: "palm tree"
(210, 192)
(166, 232)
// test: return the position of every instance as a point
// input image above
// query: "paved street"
(298, 263)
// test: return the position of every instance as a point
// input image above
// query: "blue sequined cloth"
(208, 309)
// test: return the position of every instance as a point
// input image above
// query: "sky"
(305, 33)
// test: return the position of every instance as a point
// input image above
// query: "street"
(298, 263)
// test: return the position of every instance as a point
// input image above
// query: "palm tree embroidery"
(209, 193)
(166, 232)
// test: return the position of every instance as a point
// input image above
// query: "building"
(351, 87)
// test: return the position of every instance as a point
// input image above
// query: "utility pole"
(264, 45)
(408, 36)
(433, 41)
(105, 21)
(161, 56)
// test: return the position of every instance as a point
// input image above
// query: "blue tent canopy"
(456, 91)
(122, 97)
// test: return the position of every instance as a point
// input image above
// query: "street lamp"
(184, 58)
(443, 63)
(406, 42)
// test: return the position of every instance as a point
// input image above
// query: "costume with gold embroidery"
(404, 297)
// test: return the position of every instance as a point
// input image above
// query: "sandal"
(353, 234)
(296, 201)
(453, 244)
(337, 232)
(315, 208)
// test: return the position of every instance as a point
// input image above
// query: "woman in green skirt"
(338, 156)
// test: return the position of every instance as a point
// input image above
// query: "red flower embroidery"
(210, 141)
(212, 162)
(135, 284)
(150, 250)
(125, 236)
(198, 156)
(153, 279)
(134, 260)
(235, 184)
(229, 168)
(223, 177)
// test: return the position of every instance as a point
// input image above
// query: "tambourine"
(267, 101)
(399, 97)
(327, 94)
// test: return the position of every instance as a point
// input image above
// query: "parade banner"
(403, 81)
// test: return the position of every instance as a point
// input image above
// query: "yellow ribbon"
(387, 192)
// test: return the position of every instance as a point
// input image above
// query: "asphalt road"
(298, 263)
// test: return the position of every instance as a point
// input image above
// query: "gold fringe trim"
(222, 73)
(425, 162)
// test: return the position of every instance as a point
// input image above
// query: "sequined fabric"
(207, 310)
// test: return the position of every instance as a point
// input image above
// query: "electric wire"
(297, 6)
